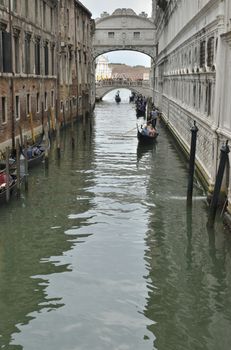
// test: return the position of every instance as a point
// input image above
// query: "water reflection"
(34, 237)
(103, 252)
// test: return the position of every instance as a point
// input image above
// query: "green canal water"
(102, 253)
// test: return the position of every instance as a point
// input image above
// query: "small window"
(136, 35)
(67, 105)
(17, 107)
(37, 102)
(45, 101)
(28, 104)
(14, 5)
(61, 106)
(52, 99)
(111, 34)
(4, 110)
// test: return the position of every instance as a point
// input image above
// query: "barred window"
(111, 35)
(136, 35)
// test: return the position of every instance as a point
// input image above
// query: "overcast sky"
(96, 7)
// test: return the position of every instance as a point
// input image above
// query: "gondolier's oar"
(129, 131)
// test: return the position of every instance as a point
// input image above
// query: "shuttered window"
(46, 59)
(210, 52)
(37, 56)
(202, 53)
(6, 52)
(27, 53)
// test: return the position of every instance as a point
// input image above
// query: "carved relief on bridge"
(124, 30)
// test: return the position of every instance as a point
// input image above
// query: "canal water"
(103, 254)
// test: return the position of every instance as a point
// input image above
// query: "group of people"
(141, 102)
(150, 128)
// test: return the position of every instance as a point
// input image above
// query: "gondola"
(36, 152)
(146, 134)
(12, 186)
(140, 112)
(117, 98)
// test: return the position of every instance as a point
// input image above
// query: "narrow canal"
(103, 254)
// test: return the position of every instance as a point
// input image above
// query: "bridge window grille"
(111, 35)
(210, 52)
(136, 35)
(202, 53)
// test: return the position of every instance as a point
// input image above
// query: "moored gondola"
(36, 152)
(3, 186)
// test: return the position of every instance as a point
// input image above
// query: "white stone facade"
(102, 70)
(124, 30)
(192, 76)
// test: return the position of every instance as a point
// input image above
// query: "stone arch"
(124, 30)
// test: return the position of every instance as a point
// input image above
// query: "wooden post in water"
(26, 163)
(7, 175)
(18, 166)
(57, 129)
(72, 128)
(214, 202)
(32, 127)
(21, 138)
(47, 144)
(194, 131)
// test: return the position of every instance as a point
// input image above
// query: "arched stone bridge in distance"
(124, 30)
(103, 87)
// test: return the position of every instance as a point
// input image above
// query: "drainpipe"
(12, 80)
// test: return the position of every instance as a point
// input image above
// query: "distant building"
(102, 68)
(124, 71)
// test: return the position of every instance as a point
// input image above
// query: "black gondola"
(117, 99)
(146, 134)
(12, 187)
(35, 153)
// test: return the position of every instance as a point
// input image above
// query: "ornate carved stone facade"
(124, 30)
(192, 76)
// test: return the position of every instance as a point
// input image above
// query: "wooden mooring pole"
(7, 175)
(221, 169)
(194, 131)
(18, 166)
(25, 164)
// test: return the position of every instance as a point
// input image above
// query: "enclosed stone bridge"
(124, 30)
(103, 87)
